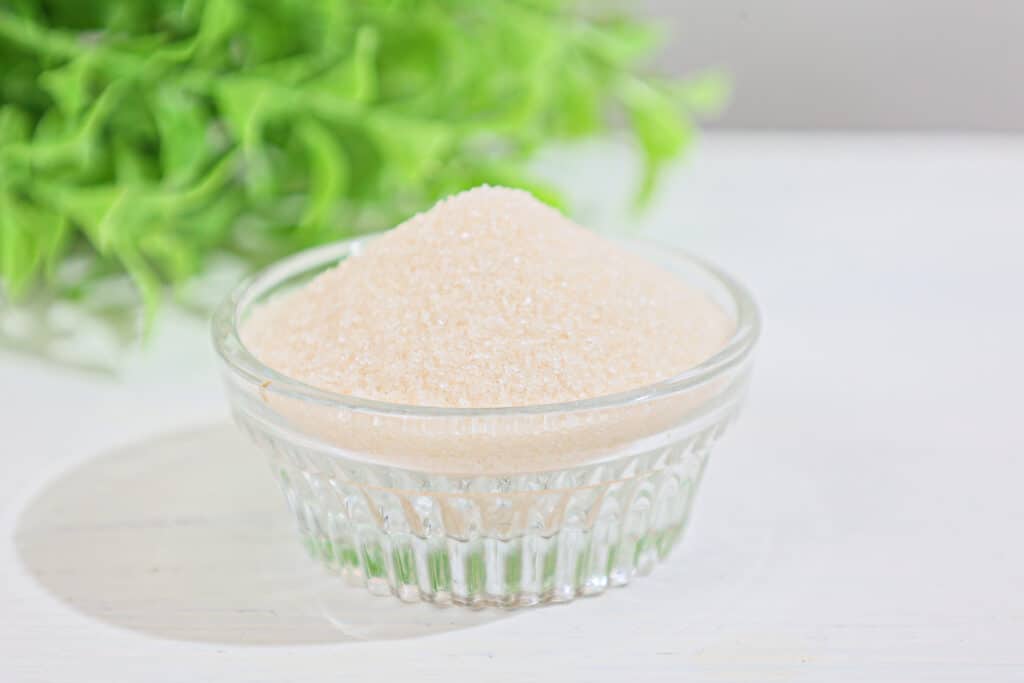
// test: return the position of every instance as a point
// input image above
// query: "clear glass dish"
(557, 500)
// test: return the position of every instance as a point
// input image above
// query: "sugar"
(491, 298)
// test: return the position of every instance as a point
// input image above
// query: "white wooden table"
(864, 521)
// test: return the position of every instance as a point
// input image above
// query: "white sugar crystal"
(491, 298)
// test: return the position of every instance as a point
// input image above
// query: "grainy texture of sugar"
(489, 299)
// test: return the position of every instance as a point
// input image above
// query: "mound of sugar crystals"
(491, 298)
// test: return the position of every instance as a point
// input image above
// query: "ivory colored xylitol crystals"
(489, 299)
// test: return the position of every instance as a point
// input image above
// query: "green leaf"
(14, 125)
(53, 243)
(245, 103)
(203, 191)
(334, 21)
(220, 21)
(579, 105)
(622, 42)
(68, 85)
(354, 77)
(181, 124)
(19, 252)
(174, 256)
(210, 227)
(15, 153)
(145, 279)
(328, 172)
(59, 141)
(97, 211)
(242, 103)
(130, 163)
(660, 130)
(31, 239)
(705, 94)
(411, 149)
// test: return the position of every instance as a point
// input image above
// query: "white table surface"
(864, 521)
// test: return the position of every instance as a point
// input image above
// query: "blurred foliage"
(145, 136)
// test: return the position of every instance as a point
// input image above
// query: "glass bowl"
(556, 501)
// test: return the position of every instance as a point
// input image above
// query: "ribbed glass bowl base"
(478, 541)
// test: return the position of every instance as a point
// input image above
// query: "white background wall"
(902, 64)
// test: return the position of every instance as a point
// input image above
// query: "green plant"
(144, 136)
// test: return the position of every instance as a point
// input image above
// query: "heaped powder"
(489, 299)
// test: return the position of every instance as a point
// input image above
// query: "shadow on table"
(186, 537)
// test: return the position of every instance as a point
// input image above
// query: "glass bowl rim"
(236, 356)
